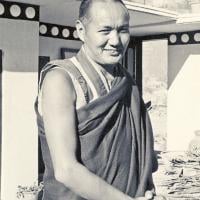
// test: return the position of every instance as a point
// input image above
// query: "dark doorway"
(43, 60)
(132, 61)
(1, 68)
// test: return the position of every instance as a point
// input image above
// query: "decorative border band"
(191, 37)
(15, 10)
(58, 31)
(179, 38)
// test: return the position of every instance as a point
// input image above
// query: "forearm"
(89, 186)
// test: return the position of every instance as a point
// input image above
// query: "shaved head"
(103, 27)
(84, 14)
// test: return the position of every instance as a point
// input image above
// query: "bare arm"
(58, 105)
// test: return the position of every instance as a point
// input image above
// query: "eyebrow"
(109, 27)
(106, 27)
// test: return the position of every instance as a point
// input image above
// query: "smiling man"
(95, 133)
(105, 33)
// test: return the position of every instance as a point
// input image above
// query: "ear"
(80, 30)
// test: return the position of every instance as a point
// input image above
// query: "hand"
(159, 197)
(150, 195)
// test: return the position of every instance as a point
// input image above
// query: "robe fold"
(115, 142)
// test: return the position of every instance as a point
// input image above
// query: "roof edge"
(150, 9)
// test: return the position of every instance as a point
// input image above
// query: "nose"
(114, 38)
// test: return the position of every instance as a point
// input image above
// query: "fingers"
(140, 198)
(149, 195)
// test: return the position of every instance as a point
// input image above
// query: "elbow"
(66, 175)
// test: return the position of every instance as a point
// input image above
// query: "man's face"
(106, 33)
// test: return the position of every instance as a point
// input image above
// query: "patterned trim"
(179, 38)
(58, 31)
(15, 10)
(192, 37)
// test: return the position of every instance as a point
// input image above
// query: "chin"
(109, 60)
(113, 61)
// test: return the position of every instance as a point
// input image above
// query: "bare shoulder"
(58, 84)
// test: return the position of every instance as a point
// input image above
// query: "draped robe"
(115, 142)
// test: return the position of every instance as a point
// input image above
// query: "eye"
(105, 31)
(124, 30)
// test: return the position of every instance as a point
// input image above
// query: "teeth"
(111, 49)
(114, 51)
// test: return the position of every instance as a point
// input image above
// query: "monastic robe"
(115, 139)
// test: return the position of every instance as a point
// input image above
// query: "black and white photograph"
(100, 99)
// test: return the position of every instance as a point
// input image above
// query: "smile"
(113, 51)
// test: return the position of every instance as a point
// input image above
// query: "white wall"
(57, 13)
(178, 54)
(19, 40)
(183, 95)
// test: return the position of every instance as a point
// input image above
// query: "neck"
(109, 69)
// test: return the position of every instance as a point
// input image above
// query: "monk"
(95, 133)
